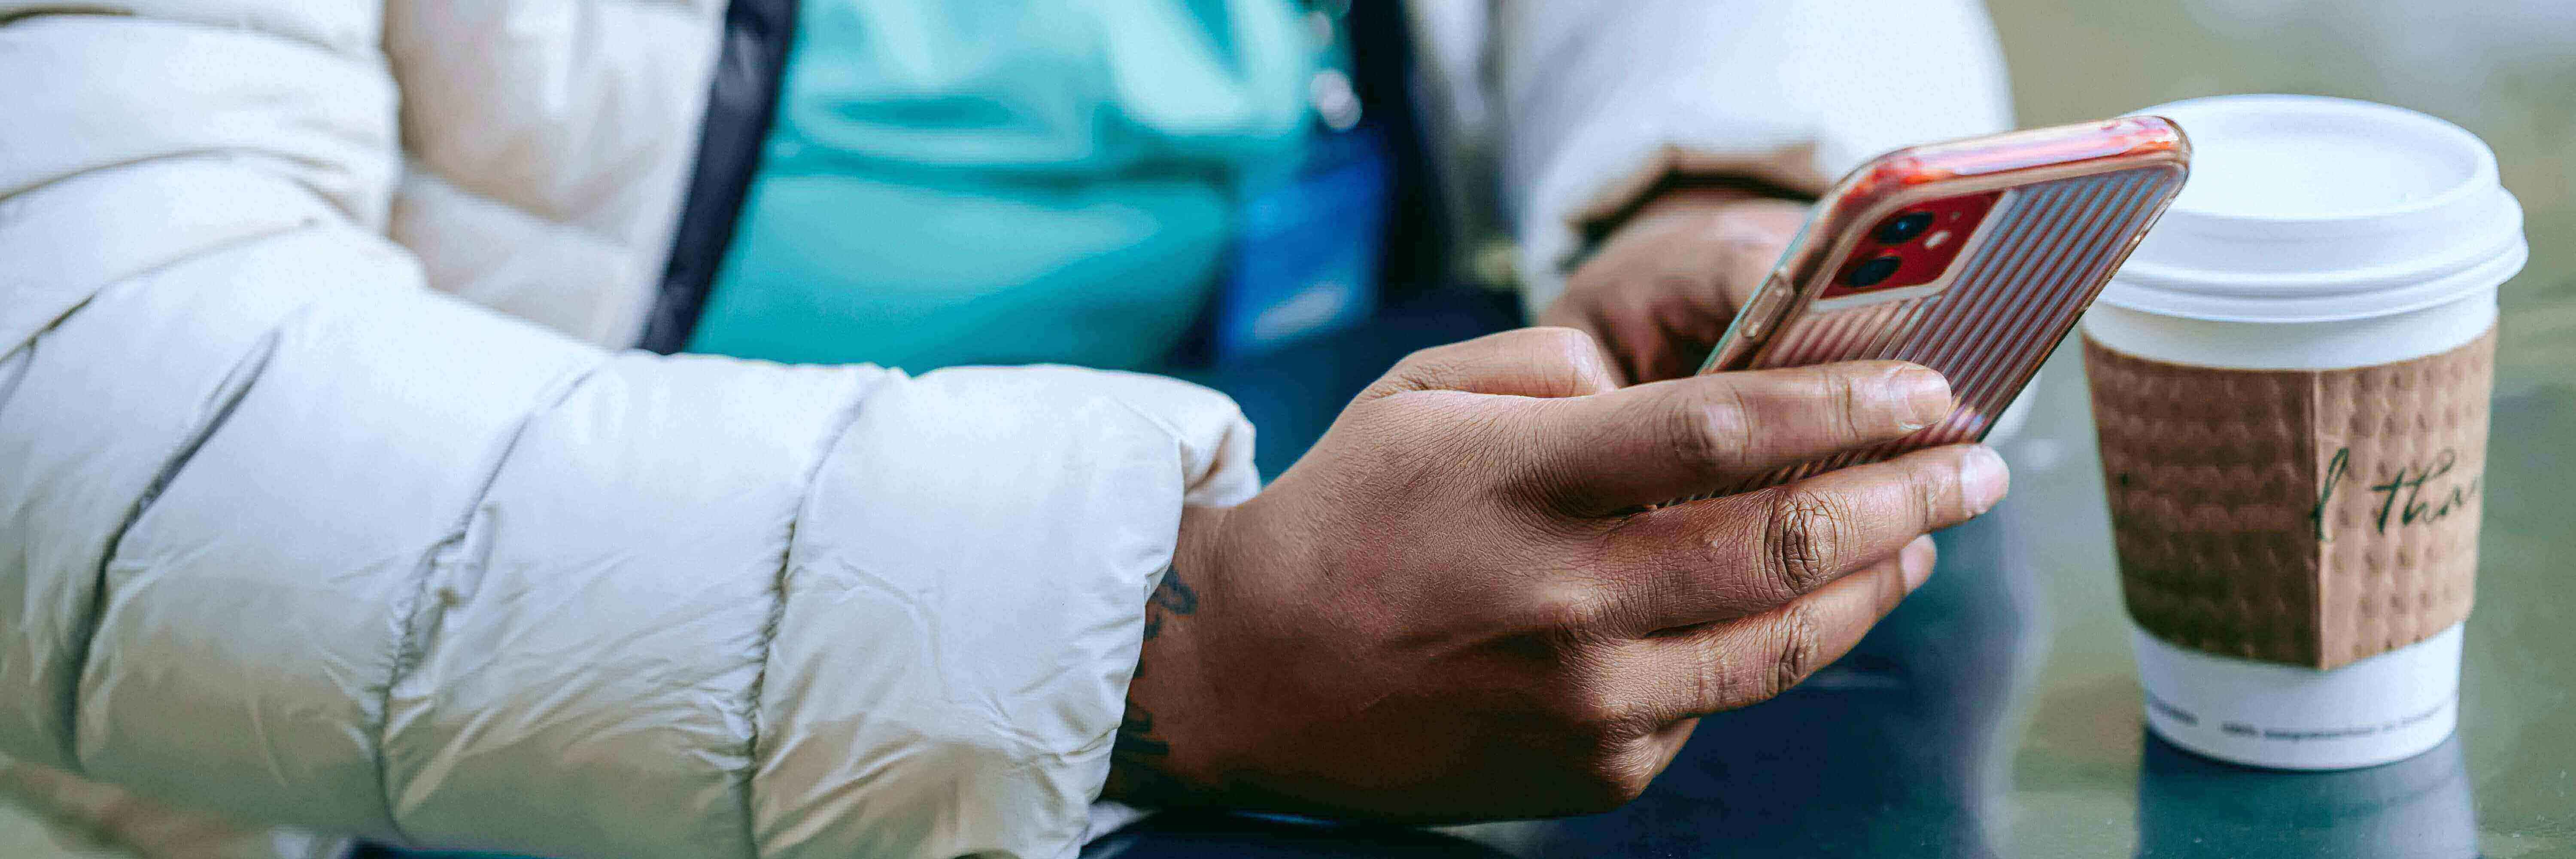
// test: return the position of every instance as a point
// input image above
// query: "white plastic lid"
(2306, 208)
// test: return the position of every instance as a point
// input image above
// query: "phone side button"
(1765, 308)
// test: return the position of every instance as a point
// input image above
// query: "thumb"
(1528, 362)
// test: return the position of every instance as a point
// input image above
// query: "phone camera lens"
(1903, 228)
(1872, 271)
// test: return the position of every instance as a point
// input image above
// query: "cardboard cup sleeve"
(2304, 517)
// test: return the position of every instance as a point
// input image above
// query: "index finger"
(1652, 443)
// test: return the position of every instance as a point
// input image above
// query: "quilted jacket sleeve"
(286, 535)
(1599, 98)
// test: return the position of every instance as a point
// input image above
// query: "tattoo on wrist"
(1172, 597)
(1136, 756)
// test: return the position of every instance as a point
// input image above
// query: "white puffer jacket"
(300, 524)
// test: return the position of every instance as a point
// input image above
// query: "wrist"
(1153, 759)
(1200, 547)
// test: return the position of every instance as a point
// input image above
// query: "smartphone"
(1972, 257)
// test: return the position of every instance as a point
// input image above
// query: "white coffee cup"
(2314, 234)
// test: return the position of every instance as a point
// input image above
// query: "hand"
(1663, 287)
(1463, 602)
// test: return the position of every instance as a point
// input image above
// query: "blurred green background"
(2505, 69)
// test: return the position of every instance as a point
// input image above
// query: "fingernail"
(1926, 396)
(1917, 559)
(1983, 478)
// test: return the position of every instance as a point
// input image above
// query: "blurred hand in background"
(1664, 285)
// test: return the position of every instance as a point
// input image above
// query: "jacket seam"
(11, 374)
(409, 650)
(234, 387)
(768, 638)
(225, 245)
(245, 376)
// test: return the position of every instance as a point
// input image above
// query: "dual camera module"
(1898, 230)
(1914, 245)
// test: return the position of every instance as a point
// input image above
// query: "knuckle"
(1710, 435)
(1803, 540)
(1607, 717)
(1574, 352)
(1573, 611)
(1721, 686)
(1559, 341)
(1756, 224)
(1423, 356)
(1932, 491)
(1419, 370)
(1607, 769)
(1723, 226)
(1444, 363)
(1852, 390)
(1798, 637)
(1591, 705)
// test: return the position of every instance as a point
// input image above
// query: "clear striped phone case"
(2045, 248)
